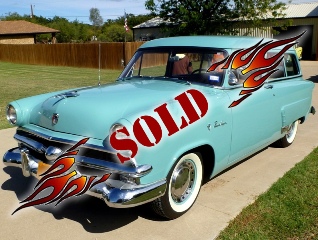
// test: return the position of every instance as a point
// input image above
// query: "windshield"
(186, 64)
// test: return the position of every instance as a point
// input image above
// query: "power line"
(79, 16)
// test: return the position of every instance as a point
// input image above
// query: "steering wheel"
(198, 70)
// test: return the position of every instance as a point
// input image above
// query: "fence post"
(124, 54)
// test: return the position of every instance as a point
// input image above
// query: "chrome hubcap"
(182, 181)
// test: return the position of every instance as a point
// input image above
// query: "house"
(149, 30)
(303, 16)
(23, 32)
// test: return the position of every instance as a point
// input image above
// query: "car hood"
(91, 111)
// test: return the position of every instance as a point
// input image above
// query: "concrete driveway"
(220, 200)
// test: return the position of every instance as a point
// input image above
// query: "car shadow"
(92, 213)
(237, 164)
(313, 79)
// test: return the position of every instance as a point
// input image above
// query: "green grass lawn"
(288, 210)
(19, 81)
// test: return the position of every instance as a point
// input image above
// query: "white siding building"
(303, 16)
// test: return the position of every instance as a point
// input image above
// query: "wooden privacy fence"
(71, 55)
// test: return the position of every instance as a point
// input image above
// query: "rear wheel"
(184, 183)
(288, 139)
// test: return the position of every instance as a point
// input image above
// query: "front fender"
(213, 129)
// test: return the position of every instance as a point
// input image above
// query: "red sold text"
(190, 116)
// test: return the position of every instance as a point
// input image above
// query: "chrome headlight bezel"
(11, 115)
(119, 136)
(114, 128)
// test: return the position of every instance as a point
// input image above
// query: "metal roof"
(302, 10)
(23, 27)
(154, 22)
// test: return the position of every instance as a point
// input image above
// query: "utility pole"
(31, 11)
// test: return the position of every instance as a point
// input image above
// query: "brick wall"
(17, 39)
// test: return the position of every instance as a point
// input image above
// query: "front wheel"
(289, 137)
(184, 183)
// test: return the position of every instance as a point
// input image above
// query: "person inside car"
(217, 57)
(182, 66)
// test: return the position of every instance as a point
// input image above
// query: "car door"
(255, 121)
(265, 115)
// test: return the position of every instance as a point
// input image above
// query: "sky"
(79, 9)
(73, 9)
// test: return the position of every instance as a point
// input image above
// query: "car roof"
(226, 42)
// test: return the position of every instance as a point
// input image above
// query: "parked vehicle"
(182, 125)
(299, 51)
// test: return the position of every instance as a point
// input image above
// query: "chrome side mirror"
(232, 78)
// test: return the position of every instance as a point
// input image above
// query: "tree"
(67, 33)
(192, 17)
(95, 18)
(11, 16)
(133, 20)
(115, 33)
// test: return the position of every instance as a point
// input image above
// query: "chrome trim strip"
(283, 78)
(266, 82)
(34, 145)
(66, 141)
(111, 167)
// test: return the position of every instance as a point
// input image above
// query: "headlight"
(119, 135)
(11, 114)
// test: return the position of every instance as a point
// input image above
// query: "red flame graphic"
(64, 179)
(254, 59)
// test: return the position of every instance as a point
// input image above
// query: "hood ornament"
(55, 118)
(68, 94)
(65, 95)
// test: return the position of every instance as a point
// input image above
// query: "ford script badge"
(55, 118)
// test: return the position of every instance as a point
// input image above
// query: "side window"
(150, 64)
(280, 68)
(291, 64)
(288, 67)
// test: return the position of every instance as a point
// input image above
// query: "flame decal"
(255, 60)
(63, 179)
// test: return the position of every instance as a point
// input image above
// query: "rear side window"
(286, 68)
(291, 64)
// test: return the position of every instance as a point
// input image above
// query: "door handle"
(268, 86)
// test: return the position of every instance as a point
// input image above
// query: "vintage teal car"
(181, 127)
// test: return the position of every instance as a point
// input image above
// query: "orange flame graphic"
(253, 58)
(64, 179)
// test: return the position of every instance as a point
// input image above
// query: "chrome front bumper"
(115, 193)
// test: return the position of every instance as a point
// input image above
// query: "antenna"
(99, 64)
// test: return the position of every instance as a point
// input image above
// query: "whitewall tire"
(290, 135)
(183, 186)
